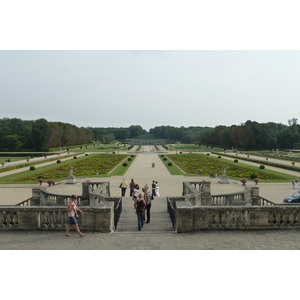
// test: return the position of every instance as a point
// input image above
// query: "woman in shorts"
(72, 211)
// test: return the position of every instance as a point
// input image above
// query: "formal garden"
(206, 165)
(93, 165)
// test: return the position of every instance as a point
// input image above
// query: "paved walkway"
(154, 236)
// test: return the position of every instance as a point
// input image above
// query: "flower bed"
(89, 166)
(203, 165)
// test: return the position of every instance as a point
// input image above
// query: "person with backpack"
(139, 206)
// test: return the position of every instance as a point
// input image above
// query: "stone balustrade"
(199, 193)
(47, 211)
(197, 210)
(100, 218)
(194, 218)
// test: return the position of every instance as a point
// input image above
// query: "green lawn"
(95, 165)
(188, 148)
(203, 165)
(174, 170)
(121, 169)
(13, 158)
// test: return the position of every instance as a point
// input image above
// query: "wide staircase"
(159, 218)
(142, 173)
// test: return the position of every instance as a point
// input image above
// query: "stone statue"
(223, 171)
(70, 179)
(223, 177)
(70, 171)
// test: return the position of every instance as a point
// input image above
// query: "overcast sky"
(119, 88)
(150, 88)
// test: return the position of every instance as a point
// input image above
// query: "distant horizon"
(104, 88)
(150, 127)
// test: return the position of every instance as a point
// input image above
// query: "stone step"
(159, 217)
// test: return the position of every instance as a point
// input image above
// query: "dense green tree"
(11, 142)
(39, 134)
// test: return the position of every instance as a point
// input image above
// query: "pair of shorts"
(72, 221)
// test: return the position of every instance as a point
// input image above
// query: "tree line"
(40, 135)
(254, 135)
(110, 134)
(182, 134)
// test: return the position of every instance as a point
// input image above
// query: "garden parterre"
(87, 166)
(203, 165)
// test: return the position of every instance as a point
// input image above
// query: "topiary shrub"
(86, 154)
(170, 164)
(32, 168)
(129, 159)
(75, 157)
(125, 164)
(219, 156)
(165, 159)
(261, 166)
(58, 161)
(207, 154)
(236, 161)
(252, 176)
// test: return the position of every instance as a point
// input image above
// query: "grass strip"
(203, 165)
(121, 169)
(174, 170)
(94, 165)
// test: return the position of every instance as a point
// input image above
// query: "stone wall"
(190, 218)
(100, 218)
(47, 211)
(198, 210)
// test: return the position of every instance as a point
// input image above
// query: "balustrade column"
(255, 199)
(206, 193)
(28, 219)
(85, 190)
(183, 217)
(36, 196)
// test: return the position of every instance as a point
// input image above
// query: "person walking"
(153, 189)
(72, 213)
(123, 186)
(131, 187)
(147, 198)
(139, 206)
(136, 191)
(295, 183)
(157, 189)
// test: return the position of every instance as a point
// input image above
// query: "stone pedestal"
(71, 180)
(224, 179)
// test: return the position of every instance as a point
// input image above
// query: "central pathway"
(142, 172)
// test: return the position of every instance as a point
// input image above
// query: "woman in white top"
(136, 192)
(157, 189)
(72, 211)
